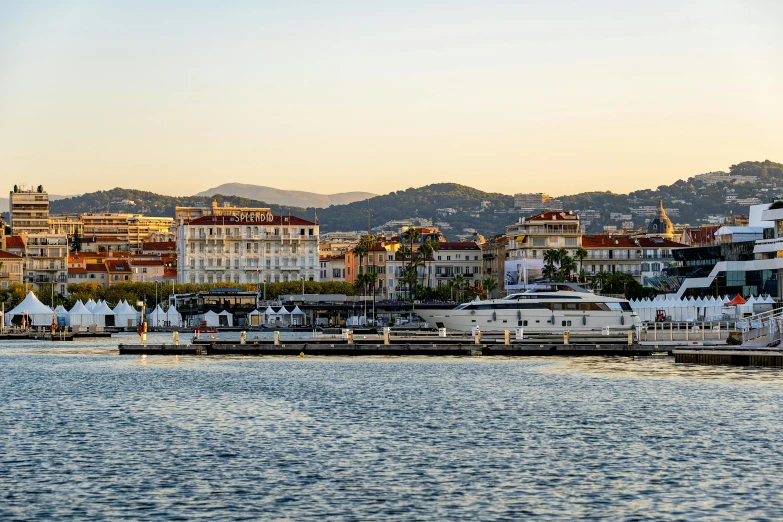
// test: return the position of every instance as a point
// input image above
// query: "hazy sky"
(552, 96)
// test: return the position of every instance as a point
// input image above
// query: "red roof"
(554, 215)
(8, 255)
(91, 267)
(117, 265)
(159, 245)
(14, 242)
(147, 262)
(226, 220)
(458, 245)
(607, 241)
(622, 241)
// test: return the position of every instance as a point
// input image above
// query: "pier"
(297, 348)
(733, 357)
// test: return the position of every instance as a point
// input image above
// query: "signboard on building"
(519, 273)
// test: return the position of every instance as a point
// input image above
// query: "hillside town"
(399, 261)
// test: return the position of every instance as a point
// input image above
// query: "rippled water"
(87, 434)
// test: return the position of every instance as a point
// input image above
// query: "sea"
(87, 434)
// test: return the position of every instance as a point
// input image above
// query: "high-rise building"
(29, 210)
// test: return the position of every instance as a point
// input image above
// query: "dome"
(661, 225)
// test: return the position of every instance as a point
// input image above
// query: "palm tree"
(567, 264)
(459, 283)
(490, 285)
(550, 258)
(580, 254)
(427, 251)
(411, 235)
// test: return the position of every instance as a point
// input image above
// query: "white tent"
(90, 304)
(226, 319)
(125, 315)
(79, 315)
(210, 319)
(255, 318)
(173, 316)
(102, 314)
(297, 316)
(62, 316)
(32, 311)
(157, 317)
(270, 316)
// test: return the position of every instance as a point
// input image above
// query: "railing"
(766, 325)
(685, 331)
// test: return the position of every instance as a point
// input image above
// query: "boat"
(544, 308)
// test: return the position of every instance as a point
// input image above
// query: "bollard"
(506, 337)
(719, 330)
(441, 332)
(520, 334)
(277, 337)
(630, 336)
(350, 336)
(565, 337)
(175, 337)
(143, 337)
(671, 331)
(686, 331)
(386, 331)
(476, 334)
(243, 338)
(655, 331)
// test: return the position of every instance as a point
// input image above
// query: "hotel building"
(244, 245)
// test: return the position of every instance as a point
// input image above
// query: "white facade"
(251, 246)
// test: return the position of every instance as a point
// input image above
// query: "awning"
(520, 239)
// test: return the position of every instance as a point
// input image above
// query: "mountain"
(696, 200)
(4, 201)
(296, 198)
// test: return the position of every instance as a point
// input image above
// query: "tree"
(490, 285)
(427, 251)
(459, 284)
(581, 254)
(76, 243)
(549, 272)
(567, 265)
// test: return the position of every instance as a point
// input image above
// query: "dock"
(48, 336)
(733, 357)
(297, 348)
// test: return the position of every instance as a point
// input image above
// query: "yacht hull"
(538, 321)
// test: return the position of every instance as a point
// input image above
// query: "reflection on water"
(87, 434)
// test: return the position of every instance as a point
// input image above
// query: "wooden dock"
(733, 357)
(48, 336)
(398, 349)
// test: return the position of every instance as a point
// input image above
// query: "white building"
(248, 245)
(29, 210)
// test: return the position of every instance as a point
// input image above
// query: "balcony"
(764, 246)
(772, 215)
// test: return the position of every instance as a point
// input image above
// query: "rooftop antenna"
(368, 216)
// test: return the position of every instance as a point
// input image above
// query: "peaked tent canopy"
(31, 310)
(79, 315)
(737, 301)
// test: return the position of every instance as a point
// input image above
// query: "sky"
(558, 96)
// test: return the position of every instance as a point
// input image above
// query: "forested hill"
(692, 201)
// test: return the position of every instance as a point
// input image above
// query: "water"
(87, 434)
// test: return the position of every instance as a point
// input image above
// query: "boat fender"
(584, 320)
(622, 319)
(519, 315)
(301, 355)
(494, 316)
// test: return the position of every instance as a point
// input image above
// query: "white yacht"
(548, 307)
